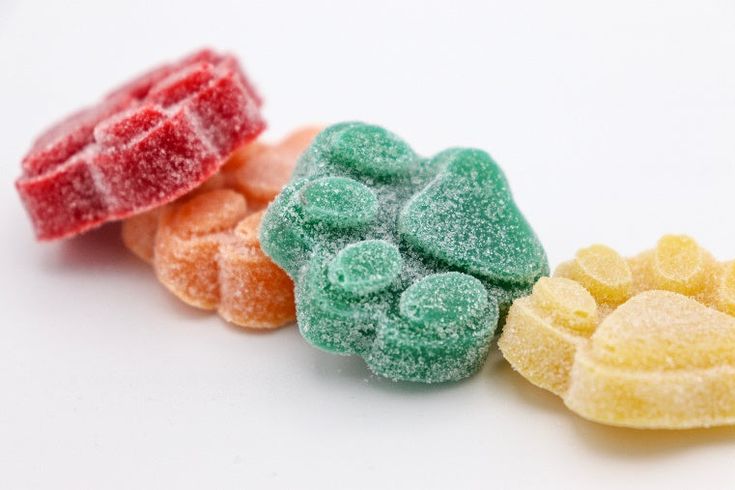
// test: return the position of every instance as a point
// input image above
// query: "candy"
(204, 247)
(145, 144)
(406, 261)
(647, 342)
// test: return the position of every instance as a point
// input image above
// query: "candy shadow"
(183, 311)
(617, 442)
(627, 443)
(336, 370)
(499, 371)
(100, 249)
(101, 252)
(248, 331)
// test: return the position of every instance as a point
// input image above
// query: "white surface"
(614, 123)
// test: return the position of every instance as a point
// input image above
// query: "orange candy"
(204, 247)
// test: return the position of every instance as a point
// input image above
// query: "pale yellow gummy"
(602, 272)
(567, 303)
(726, 289)
(665, 358)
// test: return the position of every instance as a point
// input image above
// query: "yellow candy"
(602, 272)
(726, 290)
(647, 342)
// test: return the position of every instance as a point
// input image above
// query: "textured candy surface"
(647, 342)
(204, 247)
(145, 144)
(406, 261)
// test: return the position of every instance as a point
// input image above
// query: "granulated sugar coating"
(406, 261)
(647, 342)
(145, 144)
(204, 247)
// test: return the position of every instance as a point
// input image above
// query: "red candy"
(147, 143)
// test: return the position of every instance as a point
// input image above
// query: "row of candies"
(415, 264)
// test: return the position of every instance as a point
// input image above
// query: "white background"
(615, 123)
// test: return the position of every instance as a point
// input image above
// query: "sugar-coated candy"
(406, 261)
(645, 342)
(145, 144)
(204, 247)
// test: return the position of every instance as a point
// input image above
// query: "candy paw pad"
(205, 249)
(647, 342)
(406, 261)
(365, 267)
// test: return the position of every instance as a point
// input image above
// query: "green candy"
(365, 267)
(406, 261)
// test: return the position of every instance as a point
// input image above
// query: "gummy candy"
(406, 261)
(647, 342)
(145, 144)
(204, 247)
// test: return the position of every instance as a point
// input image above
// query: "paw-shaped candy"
(204, 247)
(646, 342)
(147, 143)
(406, 261)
